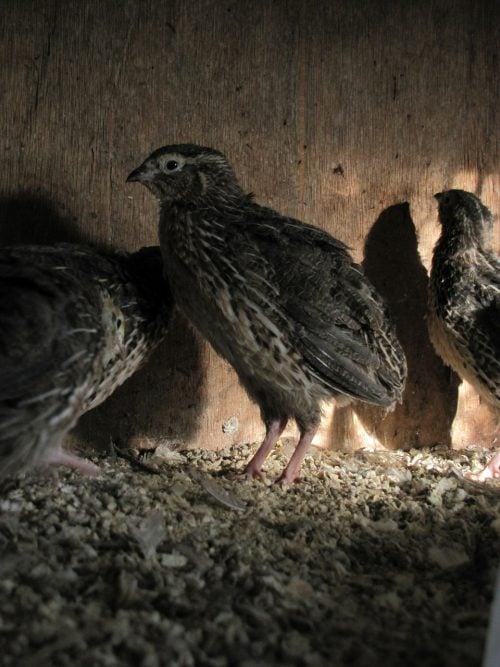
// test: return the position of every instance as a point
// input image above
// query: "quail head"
(74, 325)
(280, 300)
(464, 299)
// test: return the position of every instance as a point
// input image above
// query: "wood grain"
(336, 112)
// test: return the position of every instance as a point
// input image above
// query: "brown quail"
(74, 325)
(464, 299)
(281, 300)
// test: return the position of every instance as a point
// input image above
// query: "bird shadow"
(163, 400)
(425, 415)
(31, 217)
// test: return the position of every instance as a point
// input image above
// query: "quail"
(75, 323)
(464, 299)
(282, 301)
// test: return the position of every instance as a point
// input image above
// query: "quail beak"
(143, 174)
(438, 196)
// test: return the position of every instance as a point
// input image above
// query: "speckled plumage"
(464, 295)
(74, 325)
(281, 300)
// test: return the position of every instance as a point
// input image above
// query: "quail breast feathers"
(279, 299)
(464, 293)
(464, 298)
(74, 325)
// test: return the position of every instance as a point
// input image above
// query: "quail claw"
(288, 478)
(491, 471)
(61, 458)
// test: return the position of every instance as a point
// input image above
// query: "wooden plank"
(335, 112)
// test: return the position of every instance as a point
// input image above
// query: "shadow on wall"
(425, 416)
(148, 404)
(31, 217)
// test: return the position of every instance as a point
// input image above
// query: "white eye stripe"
(172, 162)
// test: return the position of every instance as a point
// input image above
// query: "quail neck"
(200, 199)
(463, 265)
(466, 223)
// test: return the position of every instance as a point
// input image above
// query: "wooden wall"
(349, 115)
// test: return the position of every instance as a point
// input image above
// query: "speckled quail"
(74, 324)
(281, 300)
(464, 298)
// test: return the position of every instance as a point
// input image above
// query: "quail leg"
(291, 473)
(491, 471)
(61, 458)
(253, 468)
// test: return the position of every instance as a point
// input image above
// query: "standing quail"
(280, 300)
(74, 325)
(464, 299)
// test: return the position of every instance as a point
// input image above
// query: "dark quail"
(464, 299)
(282, 301)
(74, 324)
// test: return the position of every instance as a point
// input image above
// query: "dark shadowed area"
(31, 217)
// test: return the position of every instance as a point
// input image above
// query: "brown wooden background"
(349, 115)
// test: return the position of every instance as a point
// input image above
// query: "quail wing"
(338, 322)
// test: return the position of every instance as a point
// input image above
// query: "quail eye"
(171, 165)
